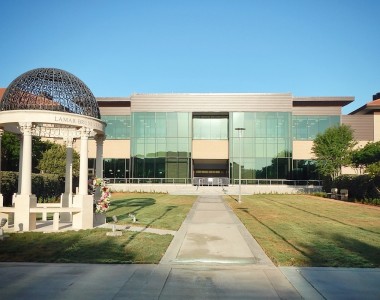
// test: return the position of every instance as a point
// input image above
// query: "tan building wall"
(362, 126)
(302, 150)
(376, 126)
(111, 149)
(210, 149)
(211, 102)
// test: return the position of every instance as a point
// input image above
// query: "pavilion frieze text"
(82, 122)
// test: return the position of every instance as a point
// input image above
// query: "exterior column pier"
(84, 219)
(20, 164)
(24, 220)
(67, 197)
(99, 155)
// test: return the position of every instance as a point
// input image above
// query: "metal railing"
(149, 180)
(213, 181)
(278, 182)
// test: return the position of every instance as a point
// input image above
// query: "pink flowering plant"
(102, 204)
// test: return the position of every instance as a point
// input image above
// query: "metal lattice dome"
(50, 89)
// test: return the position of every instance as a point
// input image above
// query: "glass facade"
(307, 127)
(161, 145)
(305, 169)
(210, 127)
(118, 127)
(116, 168)
(266, 145)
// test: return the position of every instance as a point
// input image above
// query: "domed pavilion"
(52, 103)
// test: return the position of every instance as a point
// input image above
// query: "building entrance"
(210, 172)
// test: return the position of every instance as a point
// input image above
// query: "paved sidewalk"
(212, 256)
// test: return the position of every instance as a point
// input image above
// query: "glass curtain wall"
(118, 127)
(210, 127)
(161, 145)
(266, 143)
(306, 128)
(116, 169)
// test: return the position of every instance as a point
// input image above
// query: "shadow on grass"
(135, 234)
(85, 246)
(329, 249)
(246, 210)
(337, 250)
(321, 216)
(138, 203)
(132, 202)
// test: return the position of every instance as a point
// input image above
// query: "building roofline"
(323, 101)
(368, 108)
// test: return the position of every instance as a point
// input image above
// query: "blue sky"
(306, 47)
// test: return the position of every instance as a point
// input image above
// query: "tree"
(53, 161)
(368, 158)
(10, 151)
(333, 149)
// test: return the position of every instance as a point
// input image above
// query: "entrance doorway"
(210, 172)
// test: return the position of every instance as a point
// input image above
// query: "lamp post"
(240, 132)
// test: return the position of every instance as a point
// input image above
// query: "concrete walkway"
(212, 256)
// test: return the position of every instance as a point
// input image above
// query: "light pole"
(240, 132)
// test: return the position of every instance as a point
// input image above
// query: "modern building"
(195, 138)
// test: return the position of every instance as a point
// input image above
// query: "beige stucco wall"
(302, 150)
(210, 149)
(376, 126)
(111, 149)
(349, 170)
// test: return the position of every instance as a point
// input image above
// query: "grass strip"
(303, 230)
(160, 211)
(94, 246)
(84, 246)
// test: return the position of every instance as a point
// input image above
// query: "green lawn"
(151, 210)
(303, 230)
(294, 230)
(93, 246)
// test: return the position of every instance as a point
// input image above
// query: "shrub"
(46, 187)
(361, 188)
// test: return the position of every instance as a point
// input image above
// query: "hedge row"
(46, 187)
(361, 188)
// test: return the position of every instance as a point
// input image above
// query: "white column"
(26, 164)
(20, 164)
(69, 166)
(99, 155)
(84, 219)
(24, 220)
(67, 197)
(83, 168)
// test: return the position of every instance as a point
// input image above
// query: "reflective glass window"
(118, 127)
(308, 127)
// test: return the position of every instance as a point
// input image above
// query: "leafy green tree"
(333, 149)
(368, 158)
(53, 161)
(10, 151)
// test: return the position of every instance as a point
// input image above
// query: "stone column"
(83, 168)
(84, 219)
(26, 162)
(24, 220)
(20, 164)
(67, 197)
(99, 155)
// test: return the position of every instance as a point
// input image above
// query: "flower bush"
(102, 204)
